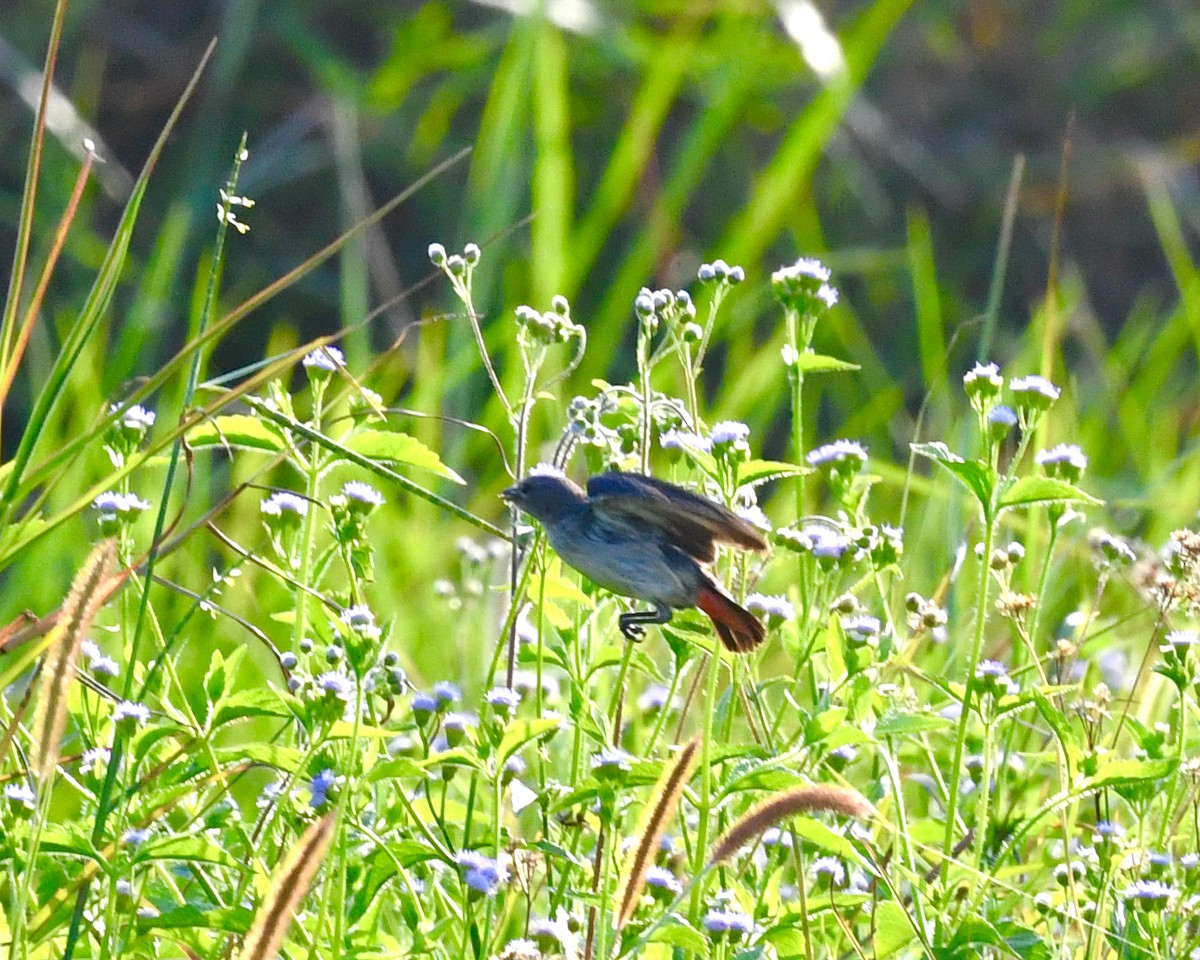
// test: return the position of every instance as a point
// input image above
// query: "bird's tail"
(737, 627)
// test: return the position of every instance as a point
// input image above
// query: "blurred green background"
(617, 144)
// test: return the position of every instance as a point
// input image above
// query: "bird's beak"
(509, 494)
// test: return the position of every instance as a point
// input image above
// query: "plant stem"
(698, 854)
(968, 692)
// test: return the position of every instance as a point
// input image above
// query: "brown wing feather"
(695, 524)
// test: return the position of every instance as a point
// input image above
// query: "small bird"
(644, 538)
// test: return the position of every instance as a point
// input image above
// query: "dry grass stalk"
(819, 798)
(82, 604)
(289, 884)
(656, 819)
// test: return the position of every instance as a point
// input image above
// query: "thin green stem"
(706, 784)
(968, 693)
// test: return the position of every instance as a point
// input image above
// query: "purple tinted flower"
(135, 713)
(1149, 894)
(135, 837)
(825, 542)
(504, 699)
(659, 878)
(983, 379)
(1033, 392)
(20, 795)
(362, 493)
(480, 872)
(460, 721)
(1064, 460)
(654, 698)
(774, 608)
(861, 629)
(682, 440)
(830, 869)
(774, 837)
(281, 502)
(446, 692)
(755, 517)
(729, 432)
(807, 269)
(1000, 420)
(424, 702)
(611, 758)
(731, 922)
(320, 786)
(325, 359)
(136, 417)
(110, 504)
(840, 451)
(334, 684)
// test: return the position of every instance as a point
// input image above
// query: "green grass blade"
(96, 304)
(553, 168)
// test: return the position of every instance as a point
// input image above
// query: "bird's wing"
(693, 523)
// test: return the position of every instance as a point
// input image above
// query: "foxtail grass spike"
(656, 819)
(289, 884)
(817, 798)
(84, 600)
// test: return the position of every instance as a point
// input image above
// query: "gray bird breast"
(627, 561)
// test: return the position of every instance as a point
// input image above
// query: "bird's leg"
(631, 623)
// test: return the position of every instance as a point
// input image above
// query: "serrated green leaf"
(809, 362)
(677, 932)
(1031, 490)
(821, 836)
(1024, 942)
(823, 724)
(274, 755)
(770, 779)
(977, 477)
(343, 729)
(395, 447)
(251, 702)
(239, 431)
(520, 732)
(226, 919)
(185, 848)
(893, 929)
(1116, 772)
(755, 472)
(910, 724)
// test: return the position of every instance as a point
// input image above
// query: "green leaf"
(771, 779)
(679, 933)
(977, 477)
(520, 732)
(823, 724)
(1025, 943)
(910, 724)
(756, 472)
(821, 836)
(251, 702)
(185, 848)
(398, 447)
(809, 362)
(239, 431)
(1030, 490)
(1118, 772)
(893, 929)
(227, 919)
(274, 755)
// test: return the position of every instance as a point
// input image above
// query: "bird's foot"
(630, 627)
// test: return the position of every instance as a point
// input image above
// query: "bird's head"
(545, 496)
